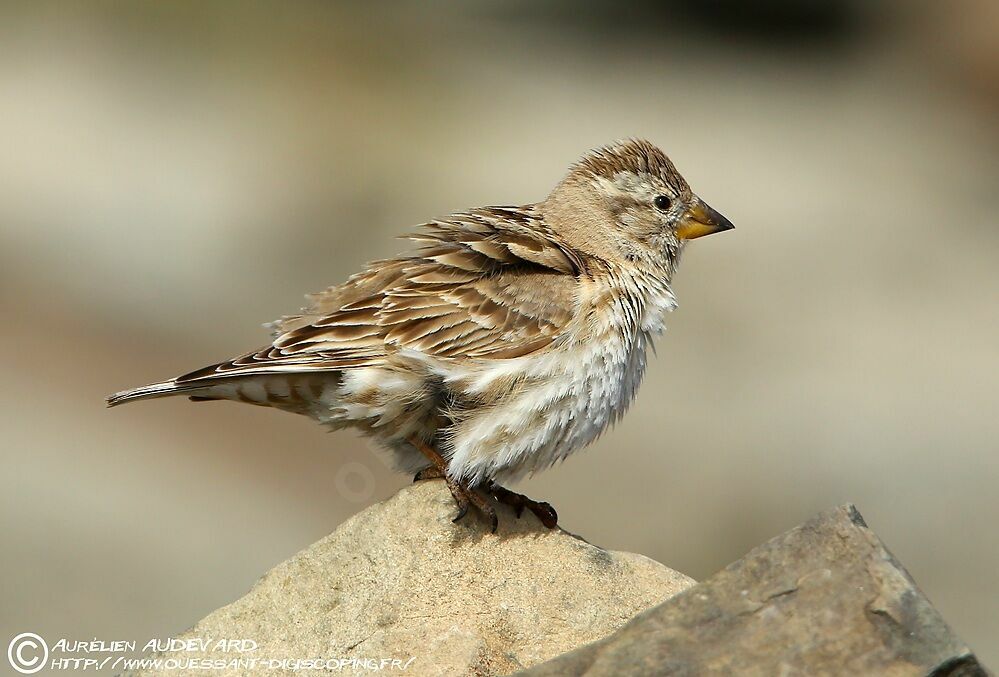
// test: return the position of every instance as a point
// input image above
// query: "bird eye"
(662, 202)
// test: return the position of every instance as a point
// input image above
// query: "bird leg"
(542, 510)
(463, 494)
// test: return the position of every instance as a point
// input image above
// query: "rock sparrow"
(510, 338)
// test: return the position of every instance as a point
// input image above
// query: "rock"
(825, 598)
(400, 581)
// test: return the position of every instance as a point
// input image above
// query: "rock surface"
(825, 598)
(400, 581)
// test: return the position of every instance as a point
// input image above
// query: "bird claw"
(462, 511)
(465, 496)
(546, 513)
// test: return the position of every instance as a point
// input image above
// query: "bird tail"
(153, 390)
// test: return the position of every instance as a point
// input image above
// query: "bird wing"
(490, 283)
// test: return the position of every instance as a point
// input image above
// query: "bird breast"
(536, 410)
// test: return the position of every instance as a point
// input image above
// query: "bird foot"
(542, 510)
(463, 496)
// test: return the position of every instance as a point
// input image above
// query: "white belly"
(562, 402)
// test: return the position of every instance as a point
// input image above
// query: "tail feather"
(153, 390)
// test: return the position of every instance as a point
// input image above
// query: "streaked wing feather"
(488, 283)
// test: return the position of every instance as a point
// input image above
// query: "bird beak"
(700, 220)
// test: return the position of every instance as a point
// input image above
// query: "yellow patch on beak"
(701, 220)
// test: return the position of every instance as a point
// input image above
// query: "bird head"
(627, 203)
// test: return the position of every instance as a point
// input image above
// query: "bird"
(506, 339)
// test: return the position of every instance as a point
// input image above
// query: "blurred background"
(173, 175)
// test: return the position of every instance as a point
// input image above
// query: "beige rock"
(400, 581)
